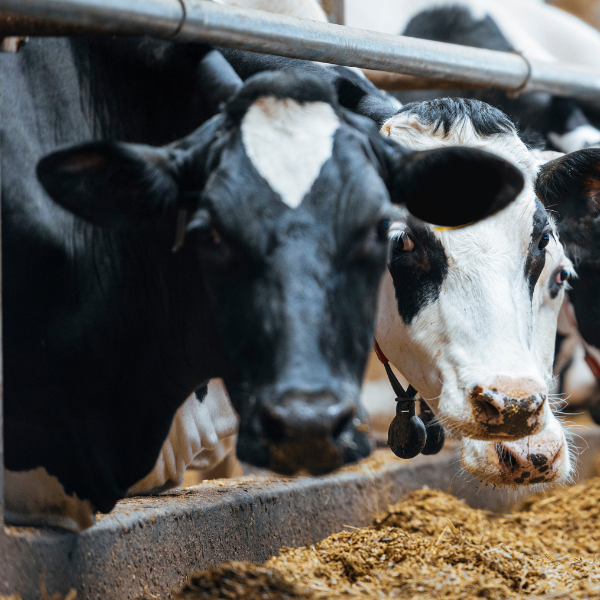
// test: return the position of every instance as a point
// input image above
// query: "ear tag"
(435, 432)
(407, 435)
(456, 227)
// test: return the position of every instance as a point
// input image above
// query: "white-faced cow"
(250, 249)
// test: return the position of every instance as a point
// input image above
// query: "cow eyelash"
(408, 245)
(562, 277)
(545, 239)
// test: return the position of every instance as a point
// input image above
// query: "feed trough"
(151, 545)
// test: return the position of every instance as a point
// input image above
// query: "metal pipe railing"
(200, 20)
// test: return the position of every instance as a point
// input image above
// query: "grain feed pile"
(431, 545)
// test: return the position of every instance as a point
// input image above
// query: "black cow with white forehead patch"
(136, 273)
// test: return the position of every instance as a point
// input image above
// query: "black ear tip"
(72, 160)
(457, 186)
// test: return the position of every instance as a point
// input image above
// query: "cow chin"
(538, 459)
(300, 432)
(306, 455)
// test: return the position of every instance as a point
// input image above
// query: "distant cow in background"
(560, 122)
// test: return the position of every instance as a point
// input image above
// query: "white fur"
(288, 143)
(582, 137)
(303, 9)
(36, 499)
(200, 434)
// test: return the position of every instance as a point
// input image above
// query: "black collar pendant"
(410, 435)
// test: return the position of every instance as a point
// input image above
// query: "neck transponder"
(410, 435)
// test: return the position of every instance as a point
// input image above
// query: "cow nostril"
(506, 459)
(273, 427)
(342, 424)
(485, 410)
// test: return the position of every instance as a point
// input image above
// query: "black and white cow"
(571, 185)
(250, 249)
(560, 122)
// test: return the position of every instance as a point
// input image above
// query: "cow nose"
(508, 407)
(529, 463)
(302, 416)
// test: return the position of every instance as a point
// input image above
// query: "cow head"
(284, 199)
(570, 187)
(458, 309)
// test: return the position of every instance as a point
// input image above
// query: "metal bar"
(157, 18)
(199, 20)
(286, 36)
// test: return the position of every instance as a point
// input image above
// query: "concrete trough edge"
(152, 544)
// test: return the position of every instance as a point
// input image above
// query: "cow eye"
(404, 243)
(201, 224)
(544, 241)
(562, 276)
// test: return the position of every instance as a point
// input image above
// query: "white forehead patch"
(288, 143)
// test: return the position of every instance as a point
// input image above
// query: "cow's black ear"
(109, 183)
(570, 186)
(453, 186)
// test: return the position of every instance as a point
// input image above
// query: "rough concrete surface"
(154, 543)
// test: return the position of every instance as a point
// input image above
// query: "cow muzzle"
(541, 458)
(507, 409)
(309, 432)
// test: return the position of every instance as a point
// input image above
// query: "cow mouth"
(306, 455)
(539, 459)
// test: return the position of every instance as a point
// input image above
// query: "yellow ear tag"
(457, 227)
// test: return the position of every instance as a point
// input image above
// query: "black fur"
(570, 187)
(450, 112)
(418, 275)
(451, 23)
(354, 92)
(296, 85)
(536, 256)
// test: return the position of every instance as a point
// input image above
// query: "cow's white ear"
(109, 183)
(454, 186)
